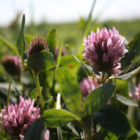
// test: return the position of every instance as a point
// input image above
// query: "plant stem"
(88, 131)
(103, 76)
(130, 113)
(38, 88)
(8, 94)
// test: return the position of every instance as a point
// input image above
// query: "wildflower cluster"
(85, 104)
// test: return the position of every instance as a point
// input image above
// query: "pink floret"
(17, 118)
(104, 50)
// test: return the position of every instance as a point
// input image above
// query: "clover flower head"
(104, 50)
(87, 85)
(136, 93)
(37, 45)
(12, 64)
(15, 119)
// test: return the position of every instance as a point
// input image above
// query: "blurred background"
(60, 11)
(68, 16)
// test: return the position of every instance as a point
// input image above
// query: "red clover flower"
(104, 49)
(12, 64)
(37, 45)
(87, 85)
(17, 118)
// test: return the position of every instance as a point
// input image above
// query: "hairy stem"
(38, 88)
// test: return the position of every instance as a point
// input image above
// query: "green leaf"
(132, 135)
(132, 87)
(113, 120)
(122, 86)
(68, 61)
(58, 117)
(111, 136)
(133, 49)
(69, 89)
(34, 93)
(9, 45)
(75, 130)
(129, 71)
(51, 40)
(41, 61)
(28, 38)
(125, 100)
(97, 99)
(59, 54)
(20, 40)
(34, 132)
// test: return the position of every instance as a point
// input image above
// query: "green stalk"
(59, 55)
(103, 76)
(88, 131)
(38, 88)
(130, 113)
(8, 94)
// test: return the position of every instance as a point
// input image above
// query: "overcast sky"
(68, 10)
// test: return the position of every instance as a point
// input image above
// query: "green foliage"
(82, 64)
(111, 136)
(114, 121)
(68, 61)
(58, 117)
(69, 89)
(129, 71)
(35, 131)
(41, 61)
(125, 100)
(133, 50)
(66, 136)
(97, 99)
(34, 94)
(51, 40)
(59, 54)
(75, 130)
(20, 40)
(122, 87)
(9, 45)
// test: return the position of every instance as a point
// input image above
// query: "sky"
(57, 11)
